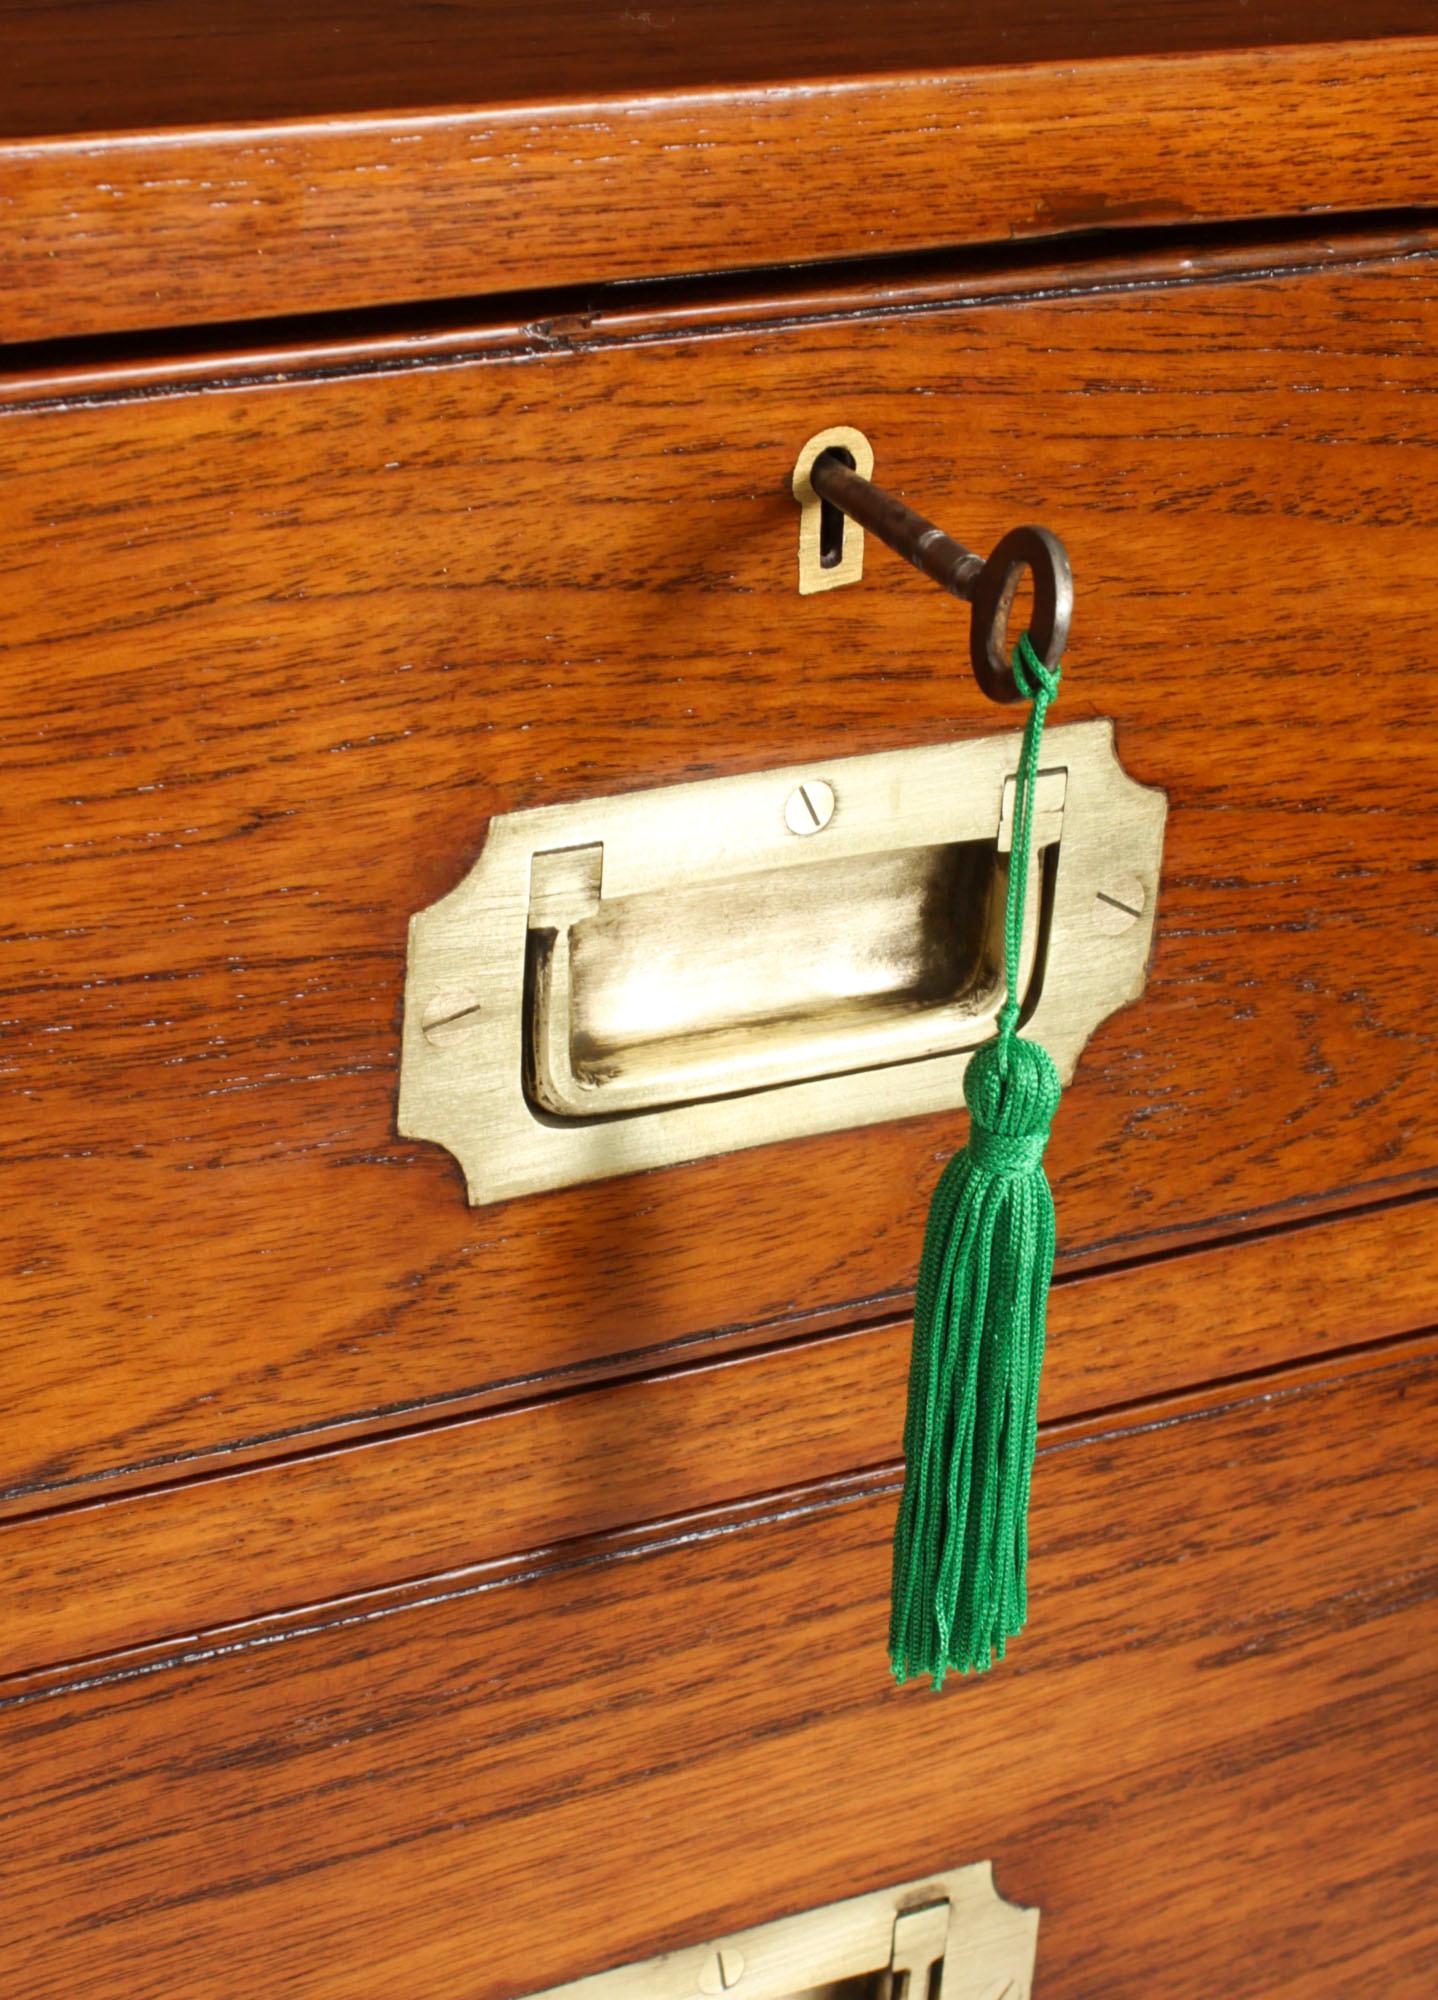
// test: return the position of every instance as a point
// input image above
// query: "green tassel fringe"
(960, 1589)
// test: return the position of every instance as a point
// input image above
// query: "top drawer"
(249, 162)
(277, 649)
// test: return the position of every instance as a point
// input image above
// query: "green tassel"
(961, 1544)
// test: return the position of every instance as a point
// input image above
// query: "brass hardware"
(722, 1971)
(809, 807)
(631, 982)
(951, 1936)
(815, 572)
(698, 991)
(1119, 905)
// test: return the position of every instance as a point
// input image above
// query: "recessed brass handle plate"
(631, 982)
(950, 1936)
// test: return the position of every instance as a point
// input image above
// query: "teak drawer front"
(1207, 1761)
(276, 651)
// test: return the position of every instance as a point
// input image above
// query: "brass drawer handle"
(632, 981)
(711, 990)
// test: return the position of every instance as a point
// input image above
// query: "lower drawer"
(1206, 1760)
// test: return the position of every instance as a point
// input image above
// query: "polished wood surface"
(67, 372)
(105, 66)
(163, 169)
(457, 1496)
(275, 654)
(397, 414)
(1209, 1764)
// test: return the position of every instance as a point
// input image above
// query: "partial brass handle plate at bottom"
(631, 982)
(950, 1936)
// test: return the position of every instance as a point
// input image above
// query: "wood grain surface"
(1208, 1759)
(275, 653)
(455, 1497)
(161, 169)
(102, 66)
(312, 349)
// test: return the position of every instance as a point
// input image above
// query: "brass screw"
(1118, 905)
(724, 1970)
(449, 1016)
(809, 807)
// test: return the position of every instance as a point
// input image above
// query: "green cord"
(1039, 686)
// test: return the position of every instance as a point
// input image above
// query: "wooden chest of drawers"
(397, 433)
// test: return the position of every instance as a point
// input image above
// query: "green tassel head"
(1012, 1091)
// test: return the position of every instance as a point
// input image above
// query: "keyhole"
(831, 518)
